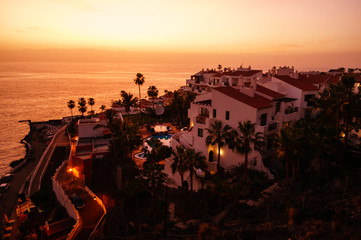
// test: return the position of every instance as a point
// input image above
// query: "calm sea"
(40, 91)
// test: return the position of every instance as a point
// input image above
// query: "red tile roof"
(298, 83)
(319, 78)
(267, 91)
(257, 101)
(242, 73)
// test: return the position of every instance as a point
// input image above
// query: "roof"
(319, 78)
(267, 91)
(298, 83)
(256, 101)
(242, 73)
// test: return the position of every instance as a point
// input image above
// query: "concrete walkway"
(92, 212)
(60, 140)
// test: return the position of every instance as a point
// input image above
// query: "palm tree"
(139, 81)
(245, 140)
(219, 67)
(286, 147)
(194, 160)
(153, 93)
(82, 105)
(71, 105)
(91, 102)
(179, 163)
(128, 100)
(217, 134)
(102, 107)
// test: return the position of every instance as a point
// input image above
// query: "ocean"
(40, 91)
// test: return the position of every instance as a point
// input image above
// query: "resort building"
(92, 143)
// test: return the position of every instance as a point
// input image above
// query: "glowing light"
(70, 170)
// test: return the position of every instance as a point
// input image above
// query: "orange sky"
(278, 29)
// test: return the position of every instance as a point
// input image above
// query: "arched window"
(210, 156)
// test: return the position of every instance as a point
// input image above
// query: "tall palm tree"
(91, 102)
(71, 105)
(217, 134)
(153, 93)
(244, 140)
(194, 160)
(139, 80)
(179, 163)
(82, 105)
(128, 100)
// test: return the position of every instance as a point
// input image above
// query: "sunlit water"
(40, 91)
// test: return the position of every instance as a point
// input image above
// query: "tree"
(217, 134)
(219, 67)
(180, 105)
(139, 80)
(341, 100)
(284, 142)
(244, 140)
(71, 105)
(194, 160)
(82, 105)
(128, 100)
(91, 102)
(179, 163)
(153, 93)
(102, 107)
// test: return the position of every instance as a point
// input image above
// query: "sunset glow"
(232, 26)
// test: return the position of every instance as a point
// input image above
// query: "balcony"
(266, 129)
(272, 126)
(290, 117)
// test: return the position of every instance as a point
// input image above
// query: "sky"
(306, 31)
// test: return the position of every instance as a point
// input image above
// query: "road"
(8, 199)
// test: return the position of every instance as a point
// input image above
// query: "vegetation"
(82, 106)
(128, 100)
(152, 93)
(179, 107)
(71, 105)
(91, 102)
(139, 80)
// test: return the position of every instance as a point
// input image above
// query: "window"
(308, 99)
(200, 132)
(227, 115)
(278, 107)
(204, 112)
(308, 113)
(264, 119)
(214, 113)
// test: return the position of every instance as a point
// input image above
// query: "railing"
(272, 126)
(291, 110)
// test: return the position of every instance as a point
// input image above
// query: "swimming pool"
(163, 138)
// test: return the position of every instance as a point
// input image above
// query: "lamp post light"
(71, 170)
